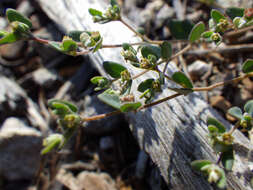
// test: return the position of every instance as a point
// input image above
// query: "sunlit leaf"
(182, 79)
(111, 98)
(113, 69)
(14, 15)
(95, 12)
(247, 66)
(216, 123)
(130, 106)
(196, 32)
(9, 38)
(236, 112)
(248, 107)
(217, 15)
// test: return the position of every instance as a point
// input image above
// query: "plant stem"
(222, 83)
(101, 116)
(144, 38)
(235, 127)
(186, 48)
(159, 101)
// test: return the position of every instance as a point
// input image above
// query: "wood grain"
(173, 133)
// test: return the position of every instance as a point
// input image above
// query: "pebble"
(19, 149)
(198, 68)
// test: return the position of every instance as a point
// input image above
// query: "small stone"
(13, 51)
(198, 68)
(163, 14)
(19, 149)
(96, 181)
(220, 102)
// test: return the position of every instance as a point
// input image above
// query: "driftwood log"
(173, 133)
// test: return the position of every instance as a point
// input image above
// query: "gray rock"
(198, 68)
(15, 102)
(42, 77)
(235, 3)
(20, 147)
(92, 107)
(163, 14)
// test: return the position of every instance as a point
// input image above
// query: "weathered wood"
(173, 133)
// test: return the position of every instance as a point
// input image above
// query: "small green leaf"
(247, 66)
(216, 123)
(222, 183)
(151, 50)
(236, 112)
(217, 15)
(14, 15)
(127, 46)
(55, 45)
(98, 45)
(130, 106)
(52, 103)
(75, 35)
(113, 69)
(69, 46)
(2, 33)
(144, 85)
(213, 129)
(111, 98)
(180, 29)
(196, 32)
(182, 79)
(114, 2)
(166, 50)
(233, 12)
(248, 107)
(51, 142)
(9, 38)
(198, 164)
(95, 12)
(227, 159)
(207, 34)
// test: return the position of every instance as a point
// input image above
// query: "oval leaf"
(110, 98)
(217, 15)
(236, 112)
(247, 66)
(14, 15)
(227, 159)
(196, 32)
(216, 123)
(144, 85)
(222, 183)
(182, 79)
(113, 69)
(75, 35)
(9, 38)
(233, 12)
(166, 50)
(248, 107)
(130, 106)
(198, 164)
(95, 12)
(151, 50)
(180, 29)
(52, 103)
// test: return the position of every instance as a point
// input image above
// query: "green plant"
(148, 56)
